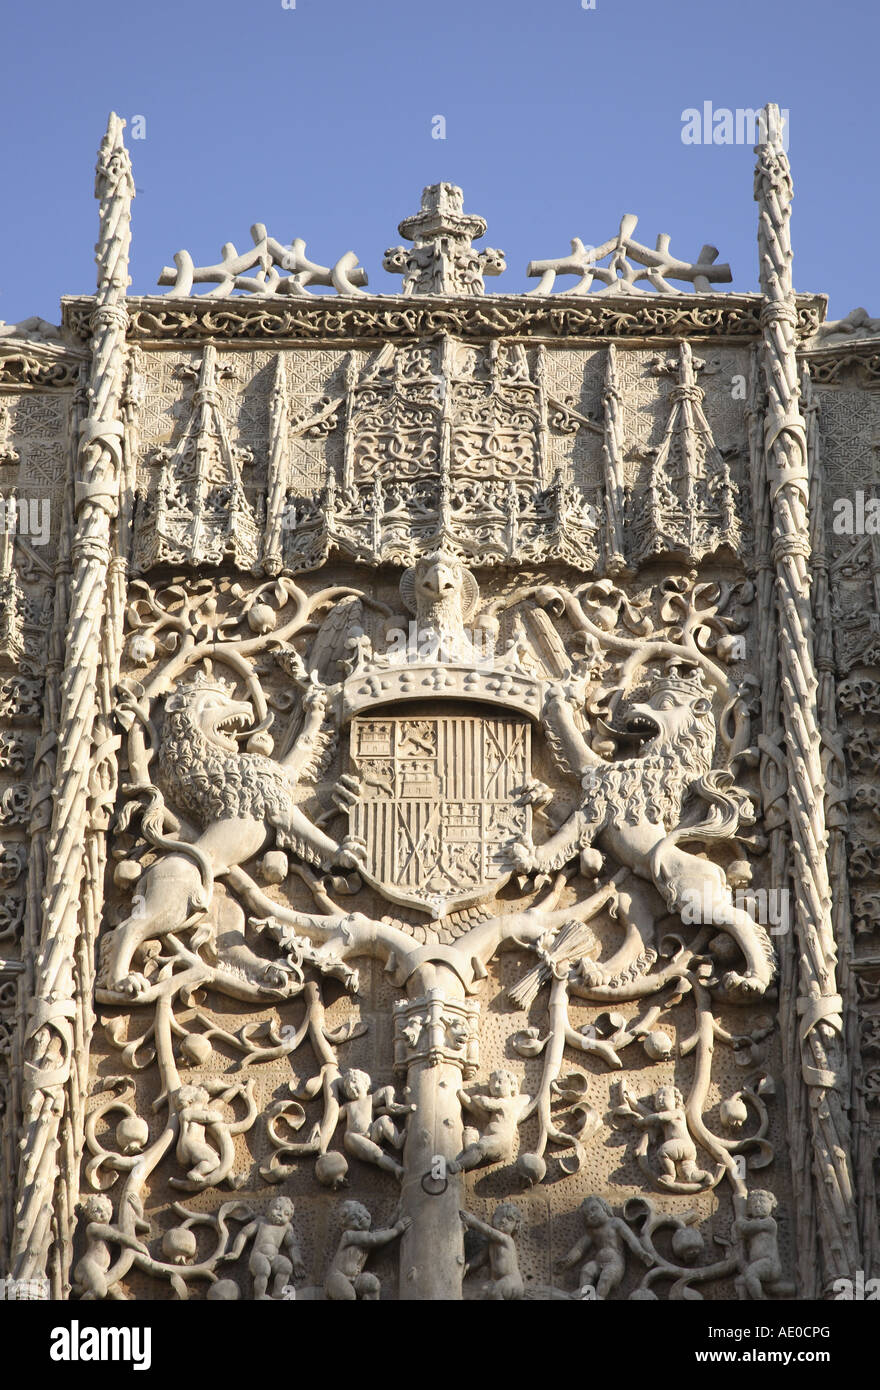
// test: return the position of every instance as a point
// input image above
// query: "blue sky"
(317, 120)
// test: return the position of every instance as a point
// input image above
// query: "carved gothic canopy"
(424, 805)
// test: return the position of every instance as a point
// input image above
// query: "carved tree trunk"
(52, 1034)
(819, 1006)
(432, 1250)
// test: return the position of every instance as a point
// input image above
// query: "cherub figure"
(368, 1122)
(273, 1235)
(506, 1109)
(678, 1150)
(346, 1279)
(90, 1281)
(605, 1235)
(506, 1282)
(205, 1145)
(195, 1114)
(204, 1161)
(757, 1228)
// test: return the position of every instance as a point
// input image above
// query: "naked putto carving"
(433, 826)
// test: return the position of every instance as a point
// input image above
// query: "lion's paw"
(522, 855)
(743, 986)
(346, 792)
(132, 985)
(533, 793)
(591, 973)
(591, 862)
(352, 853)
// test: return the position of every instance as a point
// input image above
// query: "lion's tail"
(766, 945)
(725, 810)
(153, 819)
(722, 821)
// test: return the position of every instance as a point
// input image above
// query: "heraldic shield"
(436, 805)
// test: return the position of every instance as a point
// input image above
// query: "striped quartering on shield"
(435, 808)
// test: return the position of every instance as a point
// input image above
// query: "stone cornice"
(374, 319)
(860, 357)
(29, 362)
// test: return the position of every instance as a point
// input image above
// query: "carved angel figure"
(757, 1228)
(205, 1145)
(346, 1279)
(90, 1280)
(368, 1122)
(506, 1282)
(273, 1236)
(677, 1151)
(505, 1109)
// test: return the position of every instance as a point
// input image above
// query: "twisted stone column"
(818, 1004)
(51, 1031)
(774, 801)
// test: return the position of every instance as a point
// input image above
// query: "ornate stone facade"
(438, 751)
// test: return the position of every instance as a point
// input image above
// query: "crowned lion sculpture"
(239, 803)
(634, 808)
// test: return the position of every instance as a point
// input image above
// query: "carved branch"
(658, 267)
(99, 464)
(268, 257)
(823, 1056)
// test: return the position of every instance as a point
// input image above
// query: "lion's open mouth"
(227, 727)
(641, 726)
(635, 731)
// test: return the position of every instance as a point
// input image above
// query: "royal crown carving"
(437, 777)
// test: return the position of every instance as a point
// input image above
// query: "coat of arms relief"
(456, 730)
(436, 813)
(431, 781)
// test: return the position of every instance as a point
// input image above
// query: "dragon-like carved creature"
(239, 801)
(635, 808)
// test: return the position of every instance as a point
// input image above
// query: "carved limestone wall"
(437, 764)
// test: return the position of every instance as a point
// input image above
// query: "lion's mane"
(654, 786)
(208, 783)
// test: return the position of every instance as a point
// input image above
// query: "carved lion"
(633, 807)
(239, 801)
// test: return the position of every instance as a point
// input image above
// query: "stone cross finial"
(442, 259)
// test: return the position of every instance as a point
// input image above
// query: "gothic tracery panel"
(423, 779)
